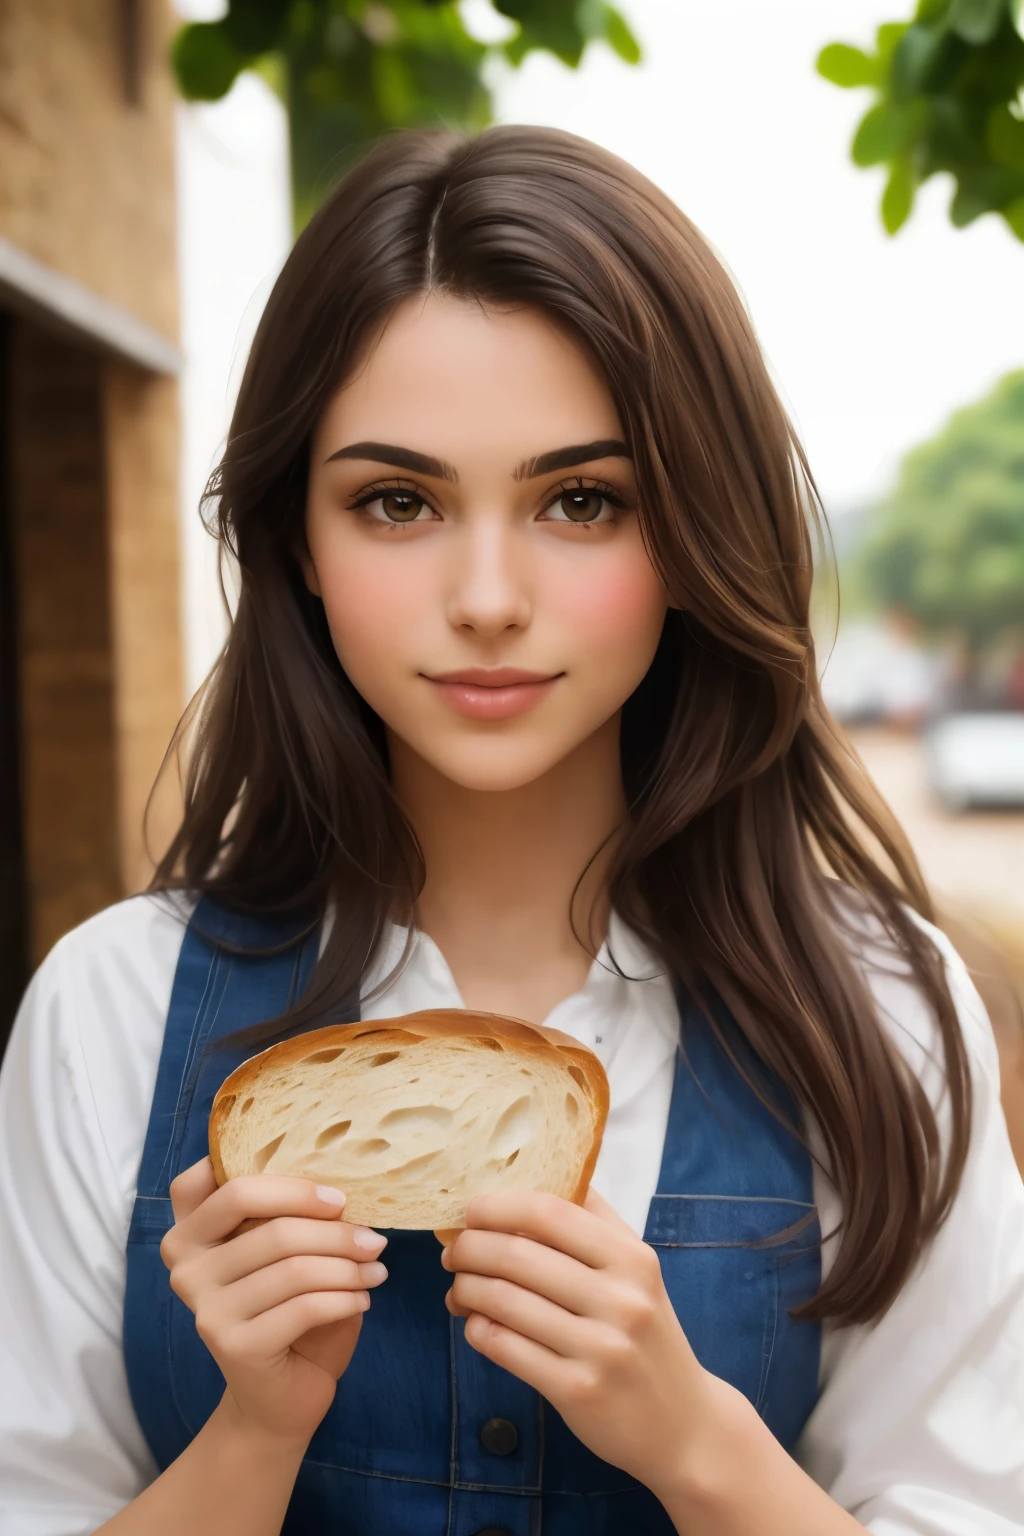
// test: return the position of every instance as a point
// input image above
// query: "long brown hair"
(755, 836)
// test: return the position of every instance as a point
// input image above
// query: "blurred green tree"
(949, 96)
(349, 70)
(947, 547)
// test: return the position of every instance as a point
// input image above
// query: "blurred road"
(974, 860)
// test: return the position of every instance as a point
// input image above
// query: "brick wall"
(86, 171)
(92, 446)
(58, 525)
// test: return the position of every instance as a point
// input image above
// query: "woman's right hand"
(279, 1306)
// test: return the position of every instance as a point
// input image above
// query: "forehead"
(453, 377)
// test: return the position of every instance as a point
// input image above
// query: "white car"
(977, 760)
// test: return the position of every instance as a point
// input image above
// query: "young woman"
(519, 711)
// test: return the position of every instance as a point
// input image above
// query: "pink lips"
(493, 693)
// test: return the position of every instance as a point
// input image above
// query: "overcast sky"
(872, 340)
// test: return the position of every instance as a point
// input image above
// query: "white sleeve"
(75, 1094)
(919, 1430)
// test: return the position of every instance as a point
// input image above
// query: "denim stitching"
(804, 1205)
(501, 1488)
(172, 1375)
(452, 1459)
(196, 1064)
(540, 1462)
(179, 1117)
(654, 1242)
(151, 1234)
(664, 1243)
(768, 1345)
(205, 1020)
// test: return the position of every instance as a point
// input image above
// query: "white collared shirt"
(919, 1430)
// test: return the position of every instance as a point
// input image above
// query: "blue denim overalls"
(425, 1437)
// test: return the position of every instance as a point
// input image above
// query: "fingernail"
(329, 1195)
(363, 1237)
(373, 1274)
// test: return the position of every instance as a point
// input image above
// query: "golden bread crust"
(434, 1023)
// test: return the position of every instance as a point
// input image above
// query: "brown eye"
(581, 506)
(400, 507)
(394, 508)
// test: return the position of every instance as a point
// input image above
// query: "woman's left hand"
(572, 1302)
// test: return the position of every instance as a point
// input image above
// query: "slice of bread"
(413, 1116)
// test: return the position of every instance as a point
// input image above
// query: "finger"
(272, 1332)
(285, 1236)
(453, 1306)
(298, 1276)
(526, 1313)
(534, 1266)
(547, 1219)
(191, 1187)
(261, 1195)
(548, 1373)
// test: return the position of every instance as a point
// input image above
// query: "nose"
(489, 587)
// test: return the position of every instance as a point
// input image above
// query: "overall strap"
(734, 1223)
(762, 1153)
(233, 971)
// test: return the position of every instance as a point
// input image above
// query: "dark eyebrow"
(529, 469)
(568, 458)
(401, 458)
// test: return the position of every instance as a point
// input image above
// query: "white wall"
(234, 230)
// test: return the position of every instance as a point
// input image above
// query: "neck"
(503, 887)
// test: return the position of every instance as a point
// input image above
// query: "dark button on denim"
(499, 1437)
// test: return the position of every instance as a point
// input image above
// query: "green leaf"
(898, 197)
(271, 68)
(620, 38)
(255, 26)
(596, 19)
(976, 21)
(395, 87)
(515, 50)
(204, 61)
(848, 67)
(590, 18)
(1004, 138)
(549, 24)
(970, 201)
(887, 131)
(888, 36)
(1014, 216)
(984, 186)
(925, 60)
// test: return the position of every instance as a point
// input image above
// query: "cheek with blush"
(616, 612)
(369, 612)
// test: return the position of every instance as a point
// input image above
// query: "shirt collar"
(624, 971)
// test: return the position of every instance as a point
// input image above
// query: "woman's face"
(473, 533)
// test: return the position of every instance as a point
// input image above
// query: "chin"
(494, 771)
